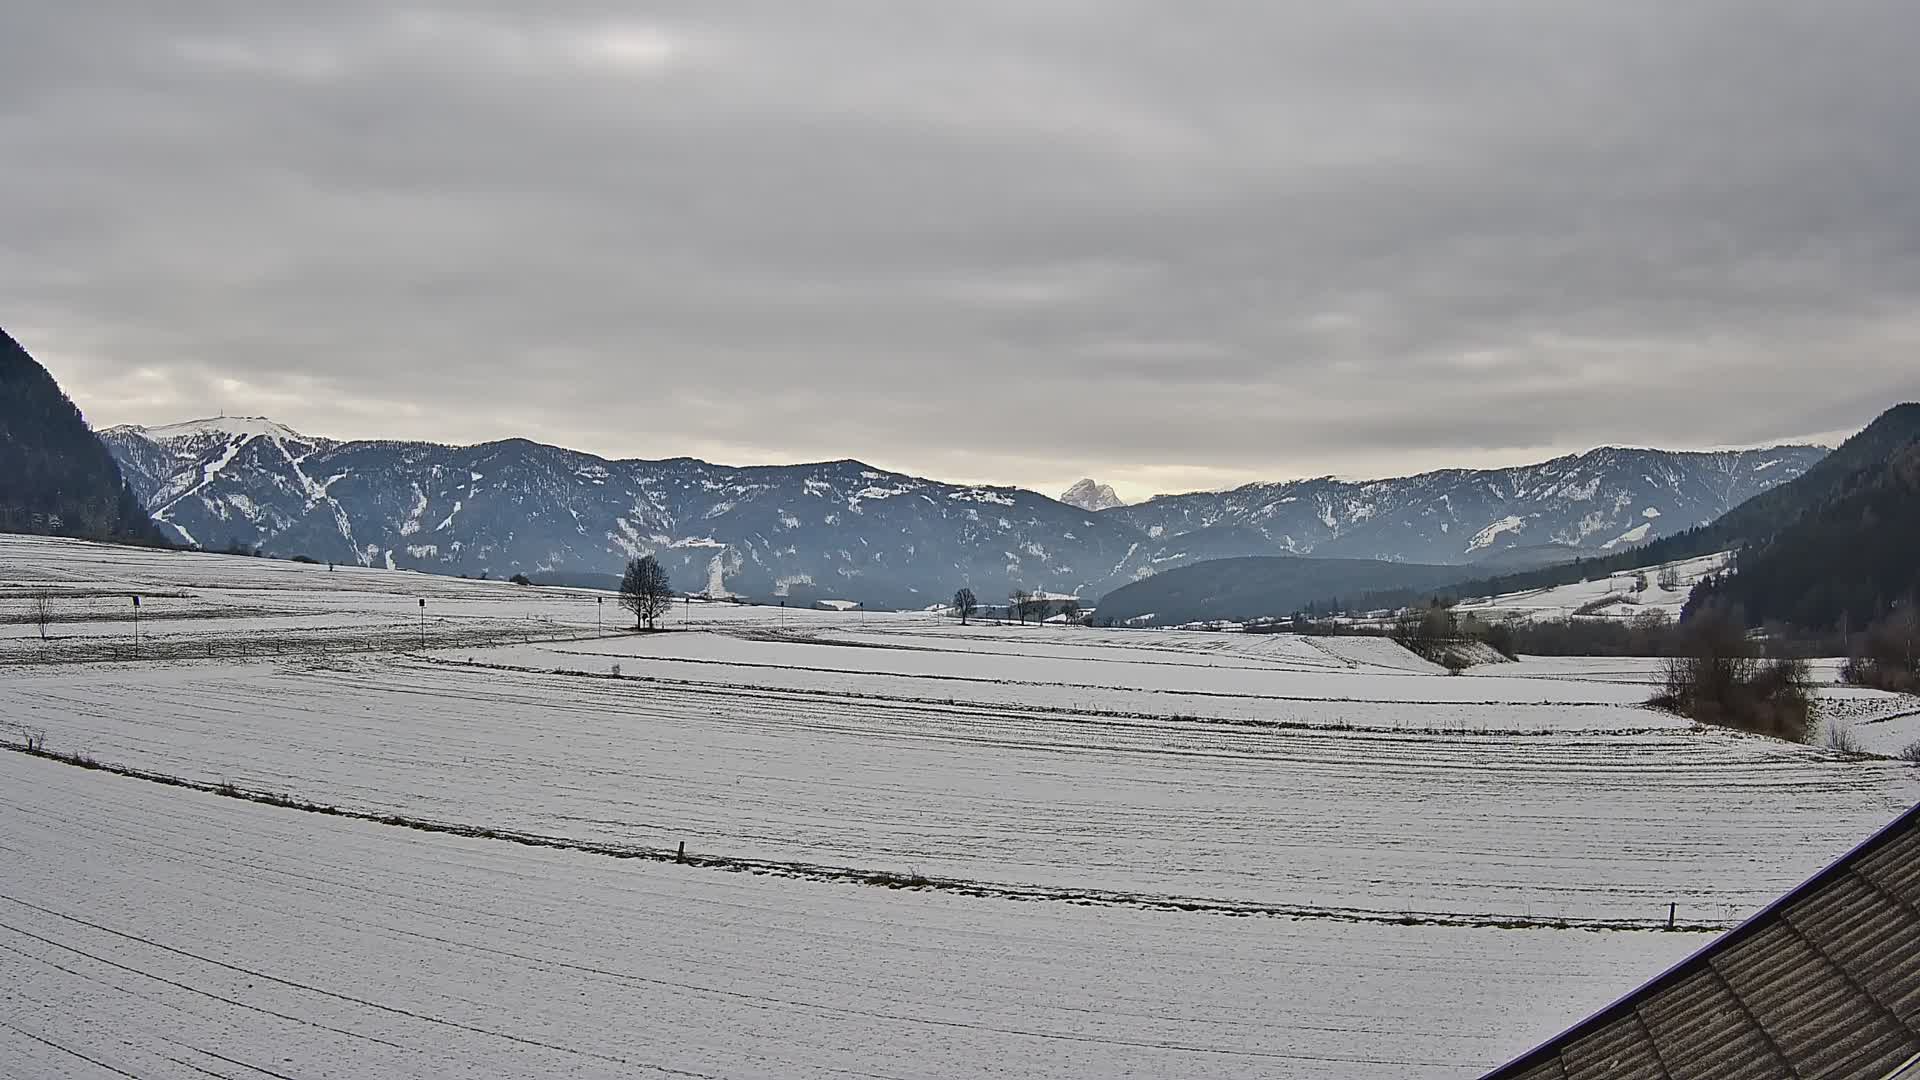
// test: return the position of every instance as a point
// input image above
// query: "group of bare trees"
(1716, 675)
(1021, 604)
(1426, 631)
(1887, 655)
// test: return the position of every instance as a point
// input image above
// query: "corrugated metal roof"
(1823, 983)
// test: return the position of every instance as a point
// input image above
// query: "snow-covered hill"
(1618, 595)
(845, 529)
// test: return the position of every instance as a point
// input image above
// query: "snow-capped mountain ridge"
(846, 529)
(1092, 496)
(1598, 500)
(219, 426)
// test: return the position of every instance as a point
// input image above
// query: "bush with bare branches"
(1887, 656)
(1717, 677)
(41, 611)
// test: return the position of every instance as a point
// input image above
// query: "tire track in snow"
(1224, 694)
(894, 879)
(309, 988)
(1143, 1044)
(95, 1062)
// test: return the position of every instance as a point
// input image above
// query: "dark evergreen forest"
(56, 478)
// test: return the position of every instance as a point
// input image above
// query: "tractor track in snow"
(881, 878)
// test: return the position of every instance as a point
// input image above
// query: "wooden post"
(682, 857)
(1670, 910)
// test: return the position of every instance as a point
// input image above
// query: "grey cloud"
(1016, 242)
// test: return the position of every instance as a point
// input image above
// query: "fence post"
(682, 856)
(1670, 910)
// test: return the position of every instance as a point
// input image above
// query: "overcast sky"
(1169, 245)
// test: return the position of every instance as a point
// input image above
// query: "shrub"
(1503, 639)
(1648, 633)
(1841, 738)
(1887, 656)
(1912, 752)
(1601, 603)
(1716, 677)
(521, 579)
(1454, 662)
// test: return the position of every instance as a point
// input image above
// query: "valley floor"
(915, 849)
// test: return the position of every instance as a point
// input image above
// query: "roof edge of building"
(1747, 928)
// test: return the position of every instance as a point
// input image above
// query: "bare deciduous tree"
(965, 604)
(41, 612)
(1018, 601)
(645, 590)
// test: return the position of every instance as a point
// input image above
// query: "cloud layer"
(1167, 245)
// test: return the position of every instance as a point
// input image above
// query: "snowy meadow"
(333, 831)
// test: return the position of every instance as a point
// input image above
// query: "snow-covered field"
(164, 933)
(1878, 722)
(1163, 853)
(1612, 596)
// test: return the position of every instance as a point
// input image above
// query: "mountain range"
(1831, 547)
(845, 529)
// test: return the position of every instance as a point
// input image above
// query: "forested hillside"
(1844, 563)
(1753, 522)
(1259, 587)
(56, 477)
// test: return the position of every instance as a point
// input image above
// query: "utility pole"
(599, 605)
(136, 627)
(423, 622)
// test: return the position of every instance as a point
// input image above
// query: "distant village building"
(1045, 606)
